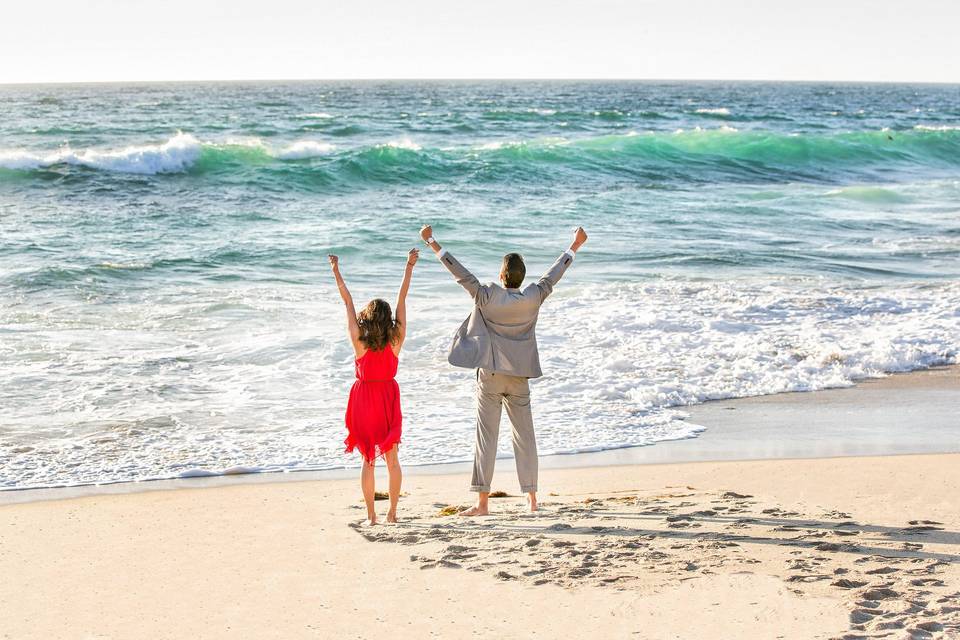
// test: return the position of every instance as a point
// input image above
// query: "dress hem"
(380, 450)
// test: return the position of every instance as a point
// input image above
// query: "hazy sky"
(95, 40)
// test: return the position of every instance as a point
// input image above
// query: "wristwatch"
(430, 240)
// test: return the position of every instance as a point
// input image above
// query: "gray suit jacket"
(500, 334)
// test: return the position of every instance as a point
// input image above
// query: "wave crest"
(717, 111)
(304, 149)
(177, 154)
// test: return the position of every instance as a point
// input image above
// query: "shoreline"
(737, 429)
(799, 549)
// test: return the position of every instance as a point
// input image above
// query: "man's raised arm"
(463, 277)
(549, 280)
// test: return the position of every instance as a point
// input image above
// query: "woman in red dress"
(373, 416)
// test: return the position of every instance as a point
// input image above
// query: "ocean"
(167, 310)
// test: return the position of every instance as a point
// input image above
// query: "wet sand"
(867, 419)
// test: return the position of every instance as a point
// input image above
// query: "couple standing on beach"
(498, 340)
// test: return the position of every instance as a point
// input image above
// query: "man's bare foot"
(392, 517)
(475, 510)
(370, 521)
(532, 501)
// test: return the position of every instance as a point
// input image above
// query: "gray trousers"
(494, 391)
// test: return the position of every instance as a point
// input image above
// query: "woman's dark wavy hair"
(377, 326)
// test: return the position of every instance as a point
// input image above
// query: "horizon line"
(371, 79)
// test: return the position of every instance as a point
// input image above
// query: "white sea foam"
(553, 141)
(305, 149)
(937, 127)
(320, 115)
(621, 362)
(17, 159)
(716, 111)
(404, 143)
(298, 150)
(493, 146)
(177, 154)
(252, 142)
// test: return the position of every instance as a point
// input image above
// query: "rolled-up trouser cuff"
(529, 489)
(479, 489)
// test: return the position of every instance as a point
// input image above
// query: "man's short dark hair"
(513, 270)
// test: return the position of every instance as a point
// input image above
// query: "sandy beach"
(830, 547)
(673, 287)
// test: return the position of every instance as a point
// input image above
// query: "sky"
(139, 40)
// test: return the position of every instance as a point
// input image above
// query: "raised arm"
(549, 280)
(401, 307)
(463, 277)
(353, 329)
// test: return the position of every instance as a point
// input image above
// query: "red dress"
(373, 411)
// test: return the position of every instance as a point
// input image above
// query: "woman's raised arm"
(401, 307)
(353, 329)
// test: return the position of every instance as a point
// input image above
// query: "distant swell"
(717, 154)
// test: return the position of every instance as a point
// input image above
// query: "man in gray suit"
(499, 341)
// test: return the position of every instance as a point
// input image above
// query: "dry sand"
(819, 549)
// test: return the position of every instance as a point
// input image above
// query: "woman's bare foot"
(392, 517)
(532, 501)
(371, 520)
(476, 510)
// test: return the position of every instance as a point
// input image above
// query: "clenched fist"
(580, 236)
(426, 232)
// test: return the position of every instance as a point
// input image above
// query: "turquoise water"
(166, 307)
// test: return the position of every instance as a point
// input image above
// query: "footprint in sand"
(882, 593)
(928, 582)
(814, 577)
(844, 583)
(931, 626)
(861, 616)
(918, 529)
(839, 515)
(731, 495)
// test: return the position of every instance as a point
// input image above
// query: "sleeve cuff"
(570, 253)
(441, 253)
